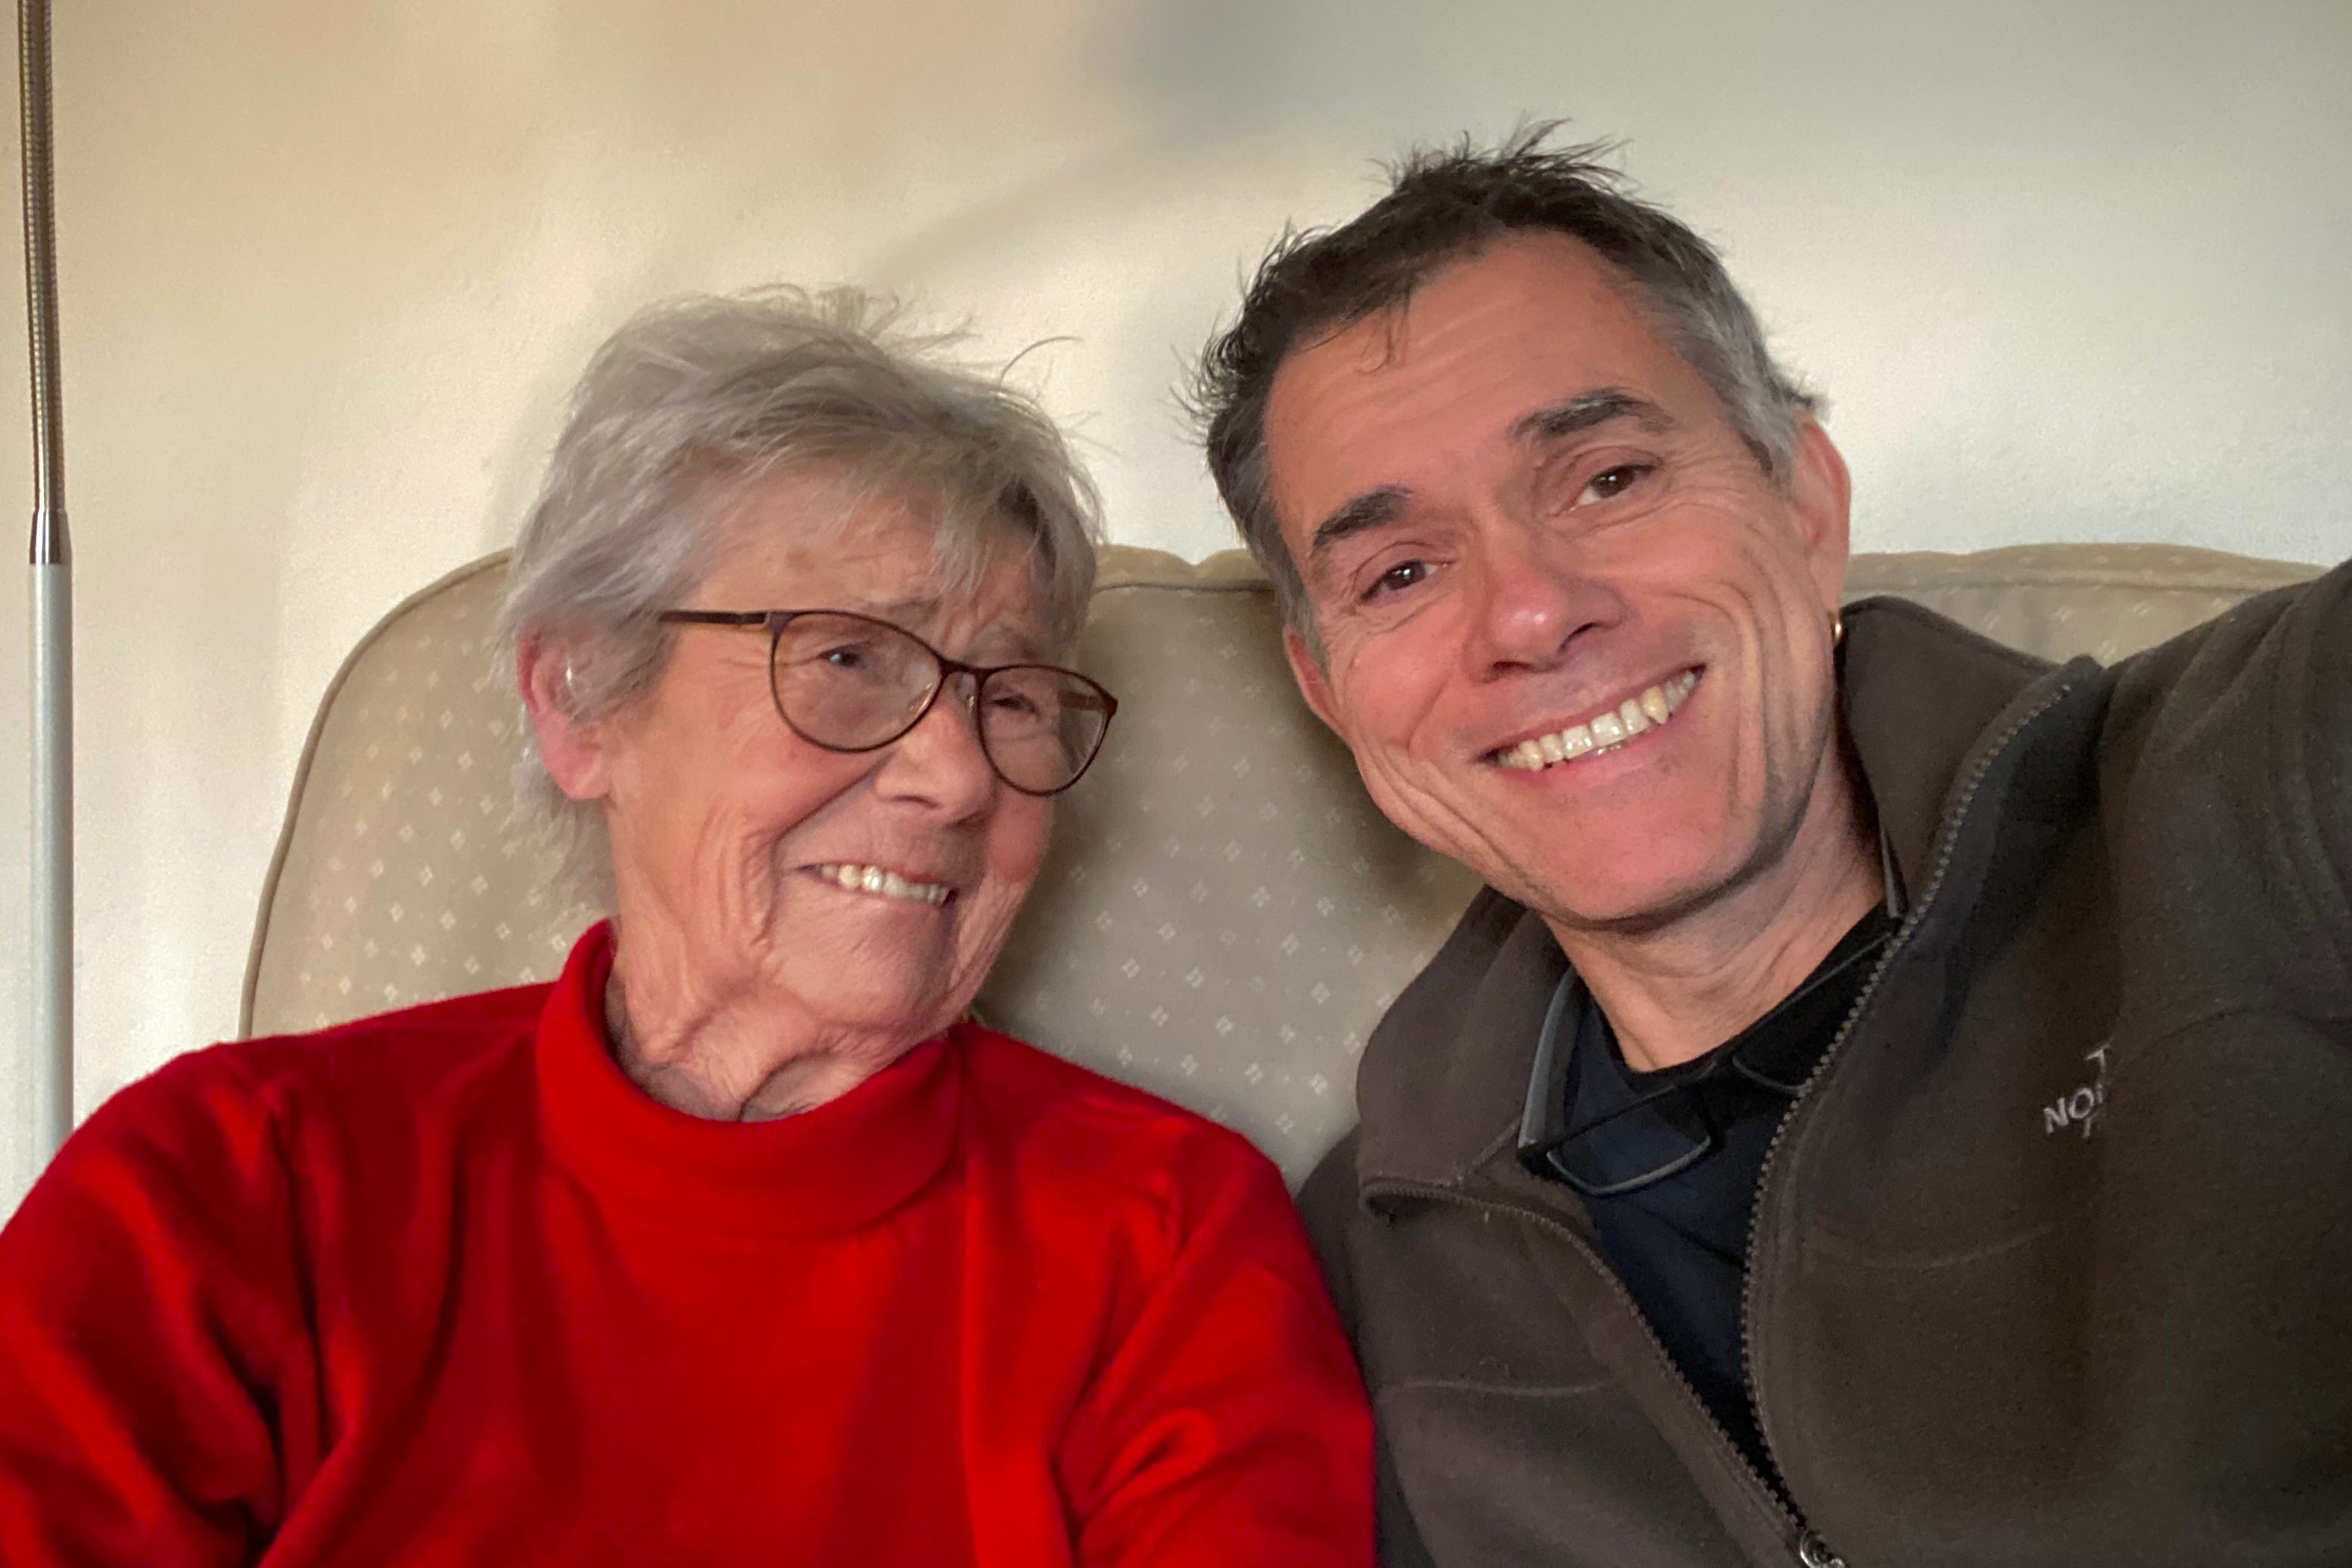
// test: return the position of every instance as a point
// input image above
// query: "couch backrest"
(1224, 916)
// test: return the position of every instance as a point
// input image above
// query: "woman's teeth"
(889, 884)
(1604, 731)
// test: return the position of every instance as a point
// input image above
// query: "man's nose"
(1530, 602)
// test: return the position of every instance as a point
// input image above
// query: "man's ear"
(1314, 683)
(571, 748)
(1820, 494)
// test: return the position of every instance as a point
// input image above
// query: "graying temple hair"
(688, 407)
(1444, 205)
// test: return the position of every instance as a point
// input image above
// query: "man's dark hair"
(1444, 204)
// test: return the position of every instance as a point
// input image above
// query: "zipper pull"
(1812, 1552)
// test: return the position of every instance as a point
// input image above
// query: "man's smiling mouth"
(1604, 731)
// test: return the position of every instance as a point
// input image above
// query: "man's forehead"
(1480, 344)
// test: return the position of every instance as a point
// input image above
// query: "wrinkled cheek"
(1714, 783)
(738, 884)
(690, 871)
(1789, 748)
(980, 935)
(1418, 803)
(1017, 843)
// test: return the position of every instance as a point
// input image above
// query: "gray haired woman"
(734, 1245)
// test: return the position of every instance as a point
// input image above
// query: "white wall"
(2072, 269)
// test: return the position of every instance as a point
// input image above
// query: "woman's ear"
(571, 748)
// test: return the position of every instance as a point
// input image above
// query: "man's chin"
(1627, 900)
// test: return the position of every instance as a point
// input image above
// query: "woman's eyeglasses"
(852, 683)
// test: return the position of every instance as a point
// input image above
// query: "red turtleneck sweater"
(443, 1286)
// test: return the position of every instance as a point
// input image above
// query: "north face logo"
(2081, 1107)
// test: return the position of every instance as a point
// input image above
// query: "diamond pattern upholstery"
(1224, 916)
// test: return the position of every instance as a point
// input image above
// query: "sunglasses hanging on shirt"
(1606, 1130)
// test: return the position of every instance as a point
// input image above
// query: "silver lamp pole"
(53, 921)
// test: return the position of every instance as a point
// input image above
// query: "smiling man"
(1705, 1207)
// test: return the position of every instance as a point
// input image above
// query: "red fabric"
(443, 1286)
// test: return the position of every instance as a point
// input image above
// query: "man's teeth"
(1604, 731)
(889, 884)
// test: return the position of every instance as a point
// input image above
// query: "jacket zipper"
(1947, 846)
(1793, 1528)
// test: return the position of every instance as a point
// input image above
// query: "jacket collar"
(1445, 1075)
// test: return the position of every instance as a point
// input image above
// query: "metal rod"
(41, 284)
(53, 889)
(52, 621)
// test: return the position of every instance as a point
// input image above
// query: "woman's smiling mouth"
(1604, 731)
(889, 884)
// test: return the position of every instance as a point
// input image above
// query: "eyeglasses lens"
(852, 683)
(1040, 725)
(846, 681)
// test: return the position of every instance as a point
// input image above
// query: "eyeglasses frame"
(773, 622)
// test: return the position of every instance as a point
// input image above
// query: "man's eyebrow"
(1587, 410)
(1372, 509)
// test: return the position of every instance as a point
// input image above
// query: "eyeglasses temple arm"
(715, 618)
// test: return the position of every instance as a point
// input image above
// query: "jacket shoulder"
(2226, 759)
(1432, 998)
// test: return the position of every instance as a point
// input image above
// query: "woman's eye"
(1397, 578)
(1614, 482)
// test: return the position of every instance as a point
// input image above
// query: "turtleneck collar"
(842, 1165)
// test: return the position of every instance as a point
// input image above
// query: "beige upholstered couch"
(1224, 917)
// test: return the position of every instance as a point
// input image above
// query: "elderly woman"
(740, 1243)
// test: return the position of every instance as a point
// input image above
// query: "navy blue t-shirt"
(1669, 1163)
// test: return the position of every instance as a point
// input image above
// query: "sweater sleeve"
(1228, 1425)
(144, 1307)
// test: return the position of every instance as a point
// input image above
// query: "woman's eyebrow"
(900, 612)
(1006, 643)
(1586, 410)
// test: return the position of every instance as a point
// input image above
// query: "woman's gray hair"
(692, 404)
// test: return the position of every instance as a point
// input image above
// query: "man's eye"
(1614, 481)
(1397, 578)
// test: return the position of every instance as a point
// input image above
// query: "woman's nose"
(940, 761)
